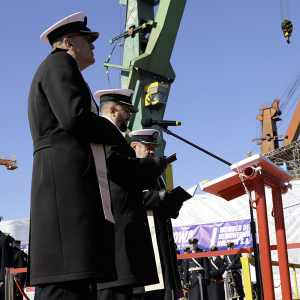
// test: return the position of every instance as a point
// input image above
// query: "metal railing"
(247, 277)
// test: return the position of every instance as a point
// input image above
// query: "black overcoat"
(235, 260)
(20, 261)
(216, 289)
(133, 246)
(68, 232)
(164, 236)
(6, 254)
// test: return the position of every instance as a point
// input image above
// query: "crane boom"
(294, 128)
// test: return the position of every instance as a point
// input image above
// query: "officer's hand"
(228, 267)
(161, 164)
(165, 196)
(1, 287)
(173, 207)
(187, 285)
(206, 281)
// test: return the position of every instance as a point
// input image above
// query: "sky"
(230, 58)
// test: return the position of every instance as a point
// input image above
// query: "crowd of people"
(11, 256)
(204, 278)
(100, 216)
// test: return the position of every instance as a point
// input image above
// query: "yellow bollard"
(247, 278)
(296, 286)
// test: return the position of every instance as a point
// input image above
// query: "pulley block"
(287, 28)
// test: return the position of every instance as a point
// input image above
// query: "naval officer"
(66, 207)
(216, 289)
(160, 204)
(135, 261)
(196, 268)
(6, 258)
(20, 261)
(233, 266)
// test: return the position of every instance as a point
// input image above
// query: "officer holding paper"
(161, 205)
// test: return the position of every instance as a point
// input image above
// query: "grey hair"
(59, 43)
(106, 104)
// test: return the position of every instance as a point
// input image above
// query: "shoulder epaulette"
(222, 257)
(7, 233)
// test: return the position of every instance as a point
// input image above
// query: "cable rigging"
(286, 94)
(108, 59)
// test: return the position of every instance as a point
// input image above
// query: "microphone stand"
(166, 130)
(252, 223)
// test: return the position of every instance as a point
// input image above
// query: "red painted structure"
(253, 174)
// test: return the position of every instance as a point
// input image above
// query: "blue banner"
(215, 234)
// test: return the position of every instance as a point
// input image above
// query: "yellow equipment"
(287, 28)
(156, 95)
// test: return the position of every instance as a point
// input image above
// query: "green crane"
(147, 49)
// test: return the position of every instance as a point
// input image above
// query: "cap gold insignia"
(155, 135)
(192, 239)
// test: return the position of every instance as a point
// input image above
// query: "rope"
(187, 290)
(272, 213)
(276, 287)
(218, 281)
(116, 43)
(288, 9)
(20, 288)
(237, 287)
(281, 8)
(289, 110)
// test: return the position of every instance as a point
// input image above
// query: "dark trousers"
(65, 291)
(153, 295)
(195, 294)
(121, 293)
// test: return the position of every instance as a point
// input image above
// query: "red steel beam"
(264, 240)
(282, 248)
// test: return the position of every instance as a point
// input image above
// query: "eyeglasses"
(86, 37)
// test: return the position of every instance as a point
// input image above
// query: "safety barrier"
(247, 277)
(9, 283)
(9, 273)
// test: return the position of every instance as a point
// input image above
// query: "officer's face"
(82, 49)
(194, 246)
(145, 150)
(123, 115)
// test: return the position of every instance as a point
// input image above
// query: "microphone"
(148, 122)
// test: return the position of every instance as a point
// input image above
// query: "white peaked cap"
(145, 136)
(124, 92)
(77, 17)
(144, 132)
